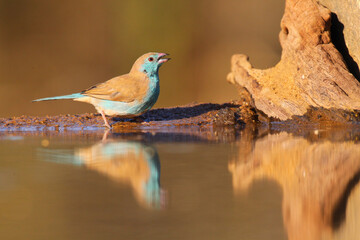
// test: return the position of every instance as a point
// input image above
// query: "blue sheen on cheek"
(150, 68)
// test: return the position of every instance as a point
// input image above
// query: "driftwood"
(312, 73)
(346, 13)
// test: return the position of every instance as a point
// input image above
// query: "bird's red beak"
(161, 60)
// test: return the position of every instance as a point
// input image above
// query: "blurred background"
(50, 48)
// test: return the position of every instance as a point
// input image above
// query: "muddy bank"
(214, 120)
(196, 122)
(189, 115)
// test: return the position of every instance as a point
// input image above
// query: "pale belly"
(114, 108)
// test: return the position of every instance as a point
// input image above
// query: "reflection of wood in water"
(314, 177)
(350, 230)
(128, 163)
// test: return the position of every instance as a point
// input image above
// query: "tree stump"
(311, 74)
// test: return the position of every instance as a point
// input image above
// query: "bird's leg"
(105, 120)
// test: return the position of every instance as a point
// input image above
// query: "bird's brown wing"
(124, 88)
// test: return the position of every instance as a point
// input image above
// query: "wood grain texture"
(348, 13)
(311, 72)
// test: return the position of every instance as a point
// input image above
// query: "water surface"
(246, 185)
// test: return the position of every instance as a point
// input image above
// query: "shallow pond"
(233, 184)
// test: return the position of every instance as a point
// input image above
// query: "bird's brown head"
(149, 63)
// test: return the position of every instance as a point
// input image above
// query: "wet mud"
(199, 121)
(195, 122)
(191, 115)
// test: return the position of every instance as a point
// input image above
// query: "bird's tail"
(71, 96)
(63, 156)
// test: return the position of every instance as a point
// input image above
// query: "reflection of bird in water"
(132, 163)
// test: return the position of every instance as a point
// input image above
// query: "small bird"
(127, 95)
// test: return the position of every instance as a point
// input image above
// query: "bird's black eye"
(151, 59)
